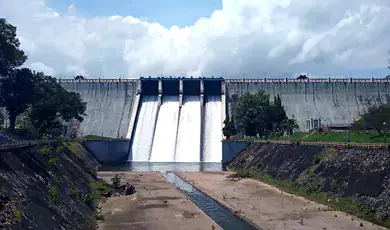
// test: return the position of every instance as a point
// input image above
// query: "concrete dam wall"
(113, 104)
(109, 106)
(334, 101)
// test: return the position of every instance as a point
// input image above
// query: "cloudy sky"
(229, 38)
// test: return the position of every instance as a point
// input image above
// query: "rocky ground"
(269, 208)
(48, 187)
(155, 205)
(357, 173)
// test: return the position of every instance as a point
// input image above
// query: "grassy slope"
(354, 137)
(94, 137)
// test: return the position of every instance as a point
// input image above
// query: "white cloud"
(250, 37)
(40, 67)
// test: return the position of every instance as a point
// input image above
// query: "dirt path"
(270, 208)
(157, 205)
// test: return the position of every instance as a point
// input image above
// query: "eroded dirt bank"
(270, 208)
(155, 205)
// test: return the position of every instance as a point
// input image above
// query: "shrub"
(116, 181)
(54, 160)
(73, 191)
(44, 150)
(87, 199)
(53, 194)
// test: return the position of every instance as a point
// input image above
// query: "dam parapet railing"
(242, 80)
(318, 143)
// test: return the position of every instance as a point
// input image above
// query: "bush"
(317, 159)
(88, 200)
(116, 181)
(54, 194)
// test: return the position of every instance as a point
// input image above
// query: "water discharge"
(212, 149)
(164, 142)
(143, 135)
(188, 140)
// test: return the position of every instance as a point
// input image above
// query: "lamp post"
(384, 133)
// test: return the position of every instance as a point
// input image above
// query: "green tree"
(288, 125)
(376, 117)
(11, 56)
(17, 93)
(253, 114)
(256, 115)
(229, 129)
(278, 114)
(55, 107)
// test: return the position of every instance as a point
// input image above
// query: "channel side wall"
(230, 149)
(109, 106)
(108, 151)
(335, 103)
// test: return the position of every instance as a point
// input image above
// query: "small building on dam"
(180, 119)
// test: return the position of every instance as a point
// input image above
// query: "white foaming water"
(143, 136)
(164, 142)
(212, 149)
(188, 139)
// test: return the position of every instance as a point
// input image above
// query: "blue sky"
(165, 12)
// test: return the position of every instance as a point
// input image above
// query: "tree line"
(257, 116)
(37, 99)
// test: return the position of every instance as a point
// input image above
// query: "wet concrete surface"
(156, 205)
(269, 208)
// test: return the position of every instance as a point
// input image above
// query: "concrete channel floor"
(268, 207)
(156, 205)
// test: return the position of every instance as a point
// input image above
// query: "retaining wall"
(108, 151)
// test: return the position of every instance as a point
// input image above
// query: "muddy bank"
(155, 205)
(47, 187)
(363, 175)
(268, 207)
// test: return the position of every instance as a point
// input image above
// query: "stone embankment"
(359, 174)
(47, 186)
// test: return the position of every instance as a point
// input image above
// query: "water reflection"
(164, 167)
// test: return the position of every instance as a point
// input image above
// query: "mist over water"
(164, 141)
(143, 135)
(212, 149)
(188, 141)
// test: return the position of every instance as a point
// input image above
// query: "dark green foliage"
(17, 93)
(11, 56)
(55, 106)
(229, 129)
(377, 118)
(257, 116)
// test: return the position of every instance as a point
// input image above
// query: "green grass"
(354, 137)
(95, 137)
(337, 203)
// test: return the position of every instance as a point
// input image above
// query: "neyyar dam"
(185, 115)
